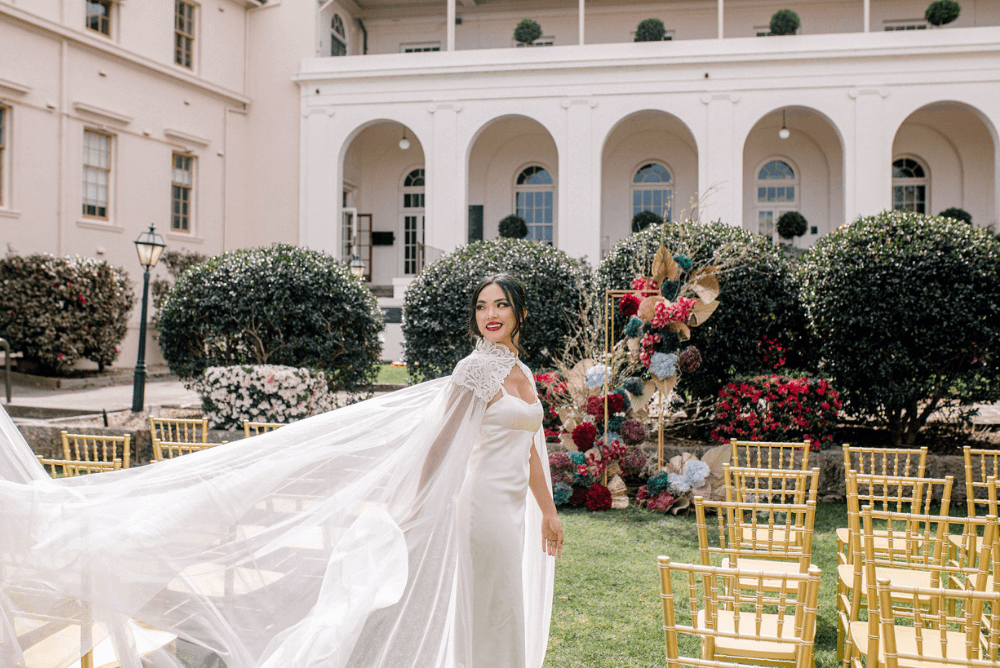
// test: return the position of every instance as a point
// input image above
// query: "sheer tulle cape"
(330, 542)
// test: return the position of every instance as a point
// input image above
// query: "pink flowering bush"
(777, 408)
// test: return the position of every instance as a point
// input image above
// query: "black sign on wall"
(475, 222)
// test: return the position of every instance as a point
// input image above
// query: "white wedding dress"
(398, 532)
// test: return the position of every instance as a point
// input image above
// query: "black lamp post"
(149, 245)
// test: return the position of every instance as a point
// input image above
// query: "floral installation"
(685, 476)
(777, 408)
(551, 392)
(261, 393)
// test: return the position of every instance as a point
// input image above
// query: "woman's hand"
(552, 535)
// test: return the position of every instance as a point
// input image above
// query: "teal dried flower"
(615, 424)
(657, 483)
(633, 385)
(684, 261)
(669, 289)
(578, 458)
(561, 493)
(633, 328)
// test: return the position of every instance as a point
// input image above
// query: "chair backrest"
(164, 450)
(771, 454)
(739, 595)
(177, 430)
(64, 468)
(977, 551)
(91, 448)
(775, 531)
(944, 626)
(750, 485)
(980, 493)
(255, 428)
(896, 462)
(897, 493)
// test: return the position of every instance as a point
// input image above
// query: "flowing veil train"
(331, 542)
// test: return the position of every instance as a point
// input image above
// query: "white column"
(868, 15)
(721, 30)
(582, 23)
(578, 219)
(868, 162)
(451, 25)
(720, 163)
(446, 220)
(321, 184)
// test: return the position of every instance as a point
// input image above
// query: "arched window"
(909, 186)
(777, 192)
(413, 222)
(533, 201)
(652, 190)
(338, 37)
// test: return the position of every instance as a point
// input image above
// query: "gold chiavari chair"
(741, 623)
(64, 468)
(748, 485)
(93, 448)
(255, 428)
(771, 454)
(896, 462)
(173, 437)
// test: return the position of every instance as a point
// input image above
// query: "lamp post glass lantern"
(357, 267)
(149, 246)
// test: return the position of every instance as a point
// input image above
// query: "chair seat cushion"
(906, 643)
(747, 646)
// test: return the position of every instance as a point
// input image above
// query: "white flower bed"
(263, 393)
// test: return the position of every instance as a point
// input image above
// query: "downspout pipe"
(364, 32)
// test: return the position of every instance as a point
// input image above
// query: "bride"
(416, 529)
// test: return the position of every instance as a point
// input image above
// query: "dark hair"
(514, 292)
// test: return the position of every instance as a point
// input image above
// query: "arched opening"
(943, 156)
(798, 170)
(513, 169)
(384, 184)
(649, 163)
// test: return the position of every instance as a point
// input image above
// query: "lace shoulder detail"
(485, 369)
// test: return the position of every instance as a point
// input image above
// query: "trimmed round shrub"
(791, 224)
(177, 262)
(650, 30)
(957, 214)
(758, 298)
(906, 309)
(513, 227)
(274, 305)
(941, 12)
(527, 31)
(644, 219)
(58, 310)
(785, 22)
(264, 393)
(436, 307)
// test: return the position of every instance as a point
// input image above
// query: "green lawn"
(392, 375)
(607, 610)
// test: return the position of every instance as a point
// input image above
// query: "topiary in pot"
(784, 22)
(58, 310)
(650, 30)
(906, 309)
(758, 298)
(791, 224)
(644, 219)
(436, 307)
(527, 31)
(957, 214)
(275, 305)
(513, 227)
(941, 12)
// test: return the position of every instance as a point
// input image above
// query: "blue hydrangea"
(657, 484)
(595, 376)
(695, 473)
(561, 493)
(663, 365)
(577, 457)
(678, 483)
(633, 328)
(633, 385)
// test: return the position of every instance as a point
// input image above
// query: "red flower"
(629, 305)
(584, 435)
(616, 404)
(598, 498)
(595, 407)
(578, 497)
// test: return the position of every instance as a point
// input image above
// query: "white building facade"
(288, 122)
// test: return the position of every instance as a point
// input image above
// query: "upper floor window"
(184, 33)
(534, 197)
(909, 186)
(777, 192)
(915, 24)
(652, 190)
(3, 153)
(181, 190)
(548, 40)
(99, 16)
(96, 174)
(419, 47)
(338, 37)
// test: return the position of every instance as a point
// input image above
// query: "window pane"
(761, 194)
(771, 194)
(776, 169)
(652, 173)
(790, 192)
